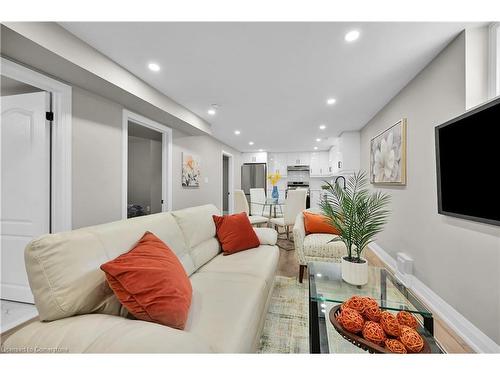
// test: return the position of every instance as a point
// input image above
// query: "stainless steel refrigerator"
(253, 175)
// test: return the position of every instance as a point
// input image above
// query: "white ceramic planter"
(355, 273)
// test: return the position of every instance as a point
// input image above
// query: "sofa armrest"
(299, 233)
(267, 236)
(99, 333)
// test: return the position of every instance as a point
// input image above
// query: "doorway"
(227, 183)
(147, 176)
(25, 180)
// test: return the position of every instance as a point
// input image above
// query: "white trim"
(166, 157)
(472, 335)
(230, 178)
(494, 60)
(61, 139)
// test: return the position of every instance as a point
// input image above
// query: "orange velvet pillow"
(151, 283)
(316, 223)
(235, 233)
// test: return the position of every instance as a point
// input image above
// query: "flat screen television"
(468, 165)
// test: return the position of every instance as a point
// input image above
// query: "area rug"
(286, 329)
(285, 244)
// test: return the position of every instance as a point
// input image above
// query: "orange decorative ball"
(373, 332)
(402, 329)
(407, 319)
(412, 340)
(351, 320)
(372, 313)
(355, 302)
(390, 324)
(395, 346)
(370, 302)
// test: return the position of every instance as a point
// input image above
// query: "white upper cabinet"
(298, 158)
(254, 157)
(319, 165)
(344, 155)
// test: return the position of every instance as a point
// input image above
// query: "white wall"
(97, 163)
(458, 259)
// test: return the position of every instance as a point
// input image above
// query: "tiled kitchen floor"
(15, 313)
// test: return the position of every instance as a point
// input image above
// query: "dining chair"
(241, 205)
(295, 203)
(257, 201)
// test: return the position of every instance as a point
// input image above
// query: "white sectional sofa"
(79, 312)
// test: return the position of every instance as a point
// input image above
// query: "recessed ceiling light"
(250, 143)
(212, 111)
(237, 132)
(154, 67)
(260, 150)
(331, 101)
(318, 139)
(315, 147)
(322, 127)
(351, 36)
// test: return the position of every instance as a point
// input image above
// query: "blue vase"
(275, 194)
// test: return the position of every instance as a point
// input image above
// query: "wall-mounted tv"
(468, 165)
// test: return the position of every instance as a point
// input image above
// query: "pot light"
(331, 101)
(322, 127)
(315, 147)
(237, 132)
(351, 36)
(250, 143)
(212, 111)
(261, 150)
(154, 67)
(318, 139)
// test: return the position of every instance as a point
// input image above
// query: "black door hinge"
(49, 116)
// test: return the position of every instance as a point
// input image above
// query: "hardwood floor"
(288, 266)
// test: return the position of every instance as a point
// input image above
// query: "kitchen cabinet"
(349, 152)
(319, 164)
(315, 196)
(298, 158)
(254, 157)
(277, 162)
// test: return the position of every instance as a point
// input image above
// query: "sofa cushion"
(227, 309)
(99, 333)
(63, 268)
(196, 223)
(151, 283)
(319, 245)
(235, 233)
(260, 262)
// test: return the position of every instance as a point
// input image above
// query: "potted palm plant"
(359, 214)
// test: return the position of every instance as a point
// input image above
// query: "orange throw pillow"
(316, 223)
(151, 283)
(235, 233)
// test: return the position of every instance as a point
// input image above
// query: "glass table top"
(327, 289)
(271, 202)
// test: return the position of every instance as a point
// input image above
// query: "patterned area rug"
(286, 329)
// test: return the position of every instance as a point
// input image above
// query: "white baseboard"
(472, 335)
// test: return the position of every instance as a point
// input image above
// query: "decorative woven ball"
(412, 340)
(355, 302)
(351, 320)
(372, 313)
(407, 319)
(372, 331)
(390, 324)
(370, 302)
(403, 328)
(395, 346)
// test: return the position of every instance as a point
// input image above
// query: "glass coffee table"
(327, 289)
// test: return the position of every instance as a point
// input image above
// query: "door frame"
(166, 158)
(61, 194)
(230, 179)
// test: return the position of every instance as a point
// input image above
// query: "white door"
(25, 189)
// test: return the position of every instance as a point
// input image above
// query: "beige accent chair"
(79, 313)
(295, 203)
(241, 205)
(315, 247)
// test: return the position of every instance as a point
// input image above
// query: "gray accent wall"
(458, 259)
(97, 163)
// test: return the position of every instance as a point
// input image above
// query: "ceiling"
(271, 80)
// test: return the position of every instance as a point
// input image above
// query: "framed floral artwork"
(190, 170)
(388, 156)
